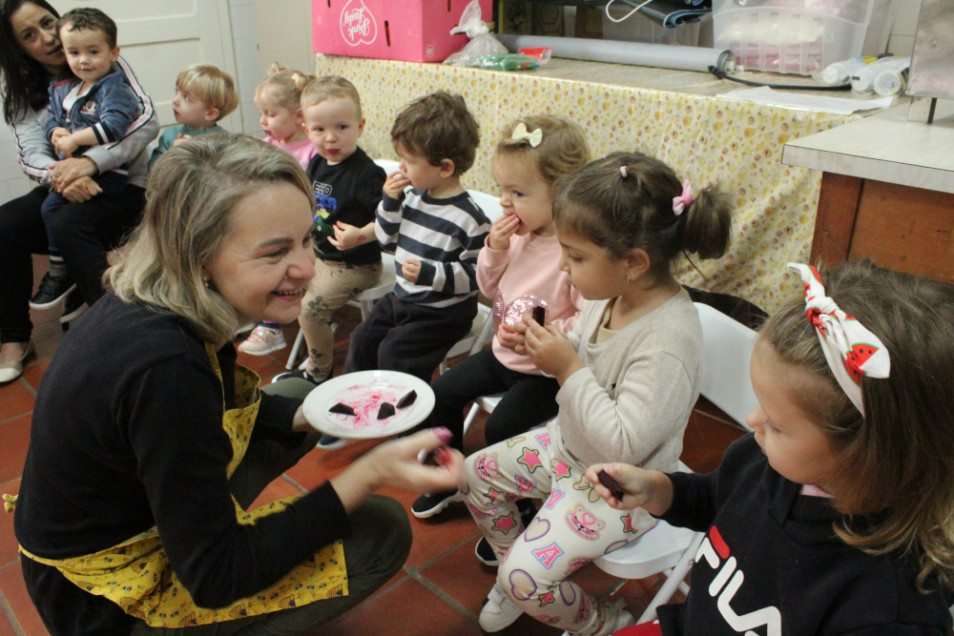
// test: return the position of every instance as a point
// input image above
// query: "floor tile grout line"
(8, 611)
(441, 594)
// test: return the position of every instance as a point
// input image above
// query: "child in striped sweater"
(435, 231)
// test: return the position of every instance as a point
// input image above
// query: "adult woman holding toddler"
(149, 442)
(94, 222)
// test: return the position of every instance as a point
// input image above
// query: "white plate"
(364, 391)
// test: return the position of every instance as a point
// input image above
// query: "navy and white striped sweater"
(445, 235)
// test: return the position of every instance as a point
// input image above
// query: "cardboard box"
(409, 30)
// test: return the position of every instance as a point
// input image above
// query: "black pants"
(402, 336)
(85, 232)
(529, 399)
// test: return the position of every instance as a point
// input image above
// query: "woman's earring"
(207, 281)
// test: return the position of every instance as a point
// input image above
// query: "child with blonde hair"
(628, 372)
(347, 188)
(204, 95)
(519, 268)
(278, 98)
(834, 517)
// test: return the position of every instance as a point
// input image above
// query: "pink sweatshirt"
(529, 266)
(302, 151)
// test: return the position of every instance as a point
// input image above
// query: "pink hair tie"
(622, 172)
(684, 200)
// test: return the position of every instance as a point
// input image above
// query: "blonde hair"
(562, 148)
(191, 193)
(328, 87)
(210, 84)
(624, 201)
(897, 460)
(284, 85)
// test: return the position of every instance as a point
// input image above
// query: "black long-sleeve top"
(127, 434)
(772, 563)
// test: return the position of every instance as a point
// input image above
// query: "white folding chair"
(481, 331)
(727, 346)
(489, 203)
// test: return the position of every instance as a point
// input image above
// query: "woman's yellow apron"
(136, 575)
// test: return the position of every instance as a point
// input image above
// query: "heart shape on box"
(357, 24)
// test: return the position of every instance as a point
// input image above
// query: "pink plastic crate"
(409, 30)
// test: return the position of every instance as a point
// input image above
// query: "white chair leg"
(471, 416)
(674, 580)
(296, 349)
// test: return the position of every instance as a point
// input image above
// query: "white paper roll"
(685, 58)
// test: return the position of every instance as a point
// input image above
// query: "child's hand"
(513, 337)
(411, 269)
(394, 185)
(66, 145)
(180, 138)
(647, 489)
(501, 231)
(346, 236)
(81, 189)
(550, 350)
(57, 134)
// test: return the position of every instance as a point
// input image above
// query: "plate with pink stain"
(368, 404)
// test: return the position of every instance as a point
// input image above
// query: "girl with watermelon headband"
(837, 511)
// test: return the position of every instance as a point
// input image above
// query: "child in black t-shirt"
(347, 187)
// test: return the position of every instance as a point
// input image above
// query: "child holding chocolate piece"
(629, 374)
(519, 268)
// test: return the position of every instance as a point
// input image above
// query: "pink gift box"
(409, 30)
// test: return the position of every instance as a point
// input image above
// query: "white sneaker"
(623, 619)
(499, 612)
(262, 341)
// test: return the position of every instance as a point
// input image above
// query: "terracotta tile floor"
(442, 586)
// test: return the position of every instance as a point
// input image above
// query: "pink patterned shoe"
(262, 341)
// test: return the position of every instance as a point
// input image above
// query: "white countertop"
(884, 147)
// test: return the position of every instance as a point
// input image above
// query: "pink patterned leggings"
(573, 527)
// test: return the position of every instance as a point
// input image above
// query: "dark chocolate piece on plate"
(344, 409)
(385, 410)
(407, 400)
(611, 485)
(539, 314)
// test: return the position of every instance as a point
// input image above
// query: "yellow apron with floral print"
(136, 575)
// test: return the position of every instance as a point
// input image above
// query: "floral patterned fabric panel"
(673, 115)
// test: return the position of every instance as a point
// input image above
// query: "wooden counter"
(887, 192)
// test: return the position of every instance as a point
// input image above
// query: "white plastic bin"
(800, 36)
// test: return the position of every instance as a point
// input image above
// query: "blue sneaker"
(330, 442)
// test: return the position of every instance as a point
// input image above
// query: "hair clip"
(851, 350)
(520, 133)
(622, 172)
(684, 200)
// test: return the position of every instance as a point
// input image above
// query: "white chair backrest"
(389, 165)
(727, 347)
(488, 203)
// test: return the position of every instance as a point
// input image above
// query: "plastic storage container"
(800, 36)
